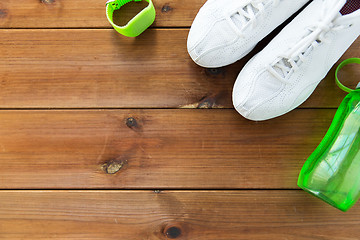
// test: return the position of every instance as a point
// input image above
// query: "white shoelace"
(291, 61)
(249, 12)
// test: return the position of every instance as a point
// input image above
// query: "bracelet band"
(341, 65)
(136, 25)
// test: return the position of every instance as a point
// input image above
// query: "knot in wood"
(131, 122)
(47, 1)
(215, 71)
(113, 167)
(166, 8)
(173, 232)
(3, 13)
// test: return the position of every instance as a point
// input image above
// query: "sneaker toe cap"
(257, 95)
(208, 43)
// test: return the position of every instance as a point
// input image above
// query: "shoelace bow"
(316, 35)
(249, 11)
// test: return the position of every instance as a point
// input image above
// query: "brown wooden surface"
(100, 69)
(87, 13)
(158, 149)
(91, 123)
(230, 215)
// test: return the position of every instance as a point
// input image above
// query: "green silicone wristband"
(341, 65)
(136, 25)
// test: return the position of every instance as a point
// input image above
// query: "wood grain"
(100, 69)
(63, 54)
(87, 13)
(147, 149)
(134, 215)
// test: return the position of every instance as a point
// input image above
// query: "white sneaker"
(285, 73)
(224, 31)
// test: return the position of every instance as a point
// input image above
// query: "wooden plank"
(217, 215)
(161, 149)
(87, 13)
(100, 69)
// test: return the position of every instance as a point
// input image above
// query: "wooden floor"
(107, 137)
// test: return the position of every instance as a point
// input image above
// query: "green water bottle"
(332, 172)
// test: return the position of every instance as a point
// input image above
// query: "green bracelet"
(136, 25)
(341, 65)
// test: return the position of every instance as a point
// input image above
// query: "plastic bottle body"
(332, 172)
